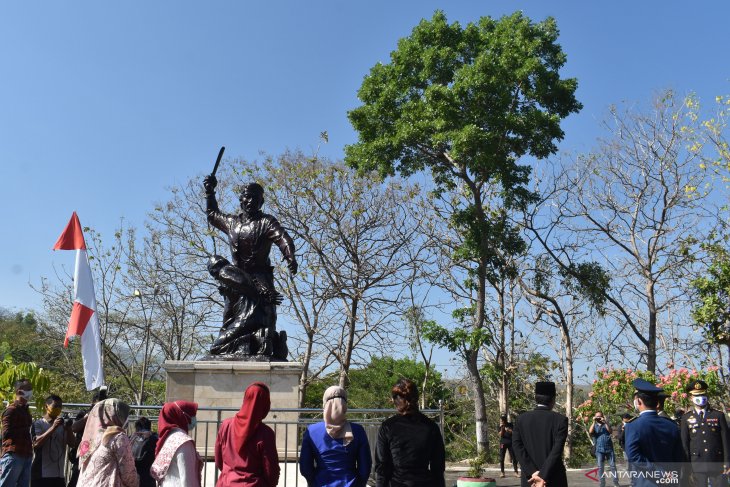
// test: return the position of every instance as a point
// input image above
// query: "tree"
(465, 104)
(10, 371)
(121, 323)
(714, 132)
(415, 319)
(711, 311)
(371, 384)
(612, 390)
(563, 303)
(359, 254)
(25, 340)
(169, 269)
(633, 204)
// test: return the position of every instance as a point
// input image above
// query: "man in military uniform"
(705, 439)
(653, 444)
(538, 439)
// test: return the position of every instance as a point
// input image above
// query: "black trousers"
(502, 451)
(716, 480)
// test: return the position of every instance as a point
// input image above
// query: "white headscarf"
(334, 404)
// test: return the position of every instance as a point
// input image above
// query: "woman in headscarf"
(410, 449)
(105, 452)
(245, 448)
(177, 463)
(335, 452)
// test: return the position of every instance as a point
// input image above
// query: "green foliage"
(370, 386)
(590, 280)
(20, 338)
(712, 312)
(612, 391)
(483, 95)
(24, 341)
(532, 368)
(457, 340)
(477, 465)
(465, 104)
(11, 371)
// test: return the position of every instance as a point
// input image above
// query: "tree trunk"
(423, 387)
(304, 376)
(651, 346)
(502, 392)
(568, 450)
(480, 407)
(351, 323)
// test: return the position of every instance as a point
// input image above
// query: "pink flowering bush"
(612, 392)
(676, 382)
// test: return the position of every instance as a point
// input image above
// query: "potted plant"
(474, 476)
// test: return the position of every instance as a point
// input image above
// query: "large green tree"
(465, 104)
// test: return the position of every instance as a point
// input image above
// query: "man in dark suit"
(653, 445)
(705, 439)
(538, 439)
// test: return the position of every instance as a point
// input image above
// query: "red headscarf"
(176, 414)
(255, 407)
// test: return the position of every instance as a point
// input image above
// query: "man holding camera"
(51, 434)
(600, 430)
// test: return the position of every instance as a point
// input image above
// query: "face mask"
(53, 412)
(193, 423)
(636, 404)
(700, 401)
(27, 395)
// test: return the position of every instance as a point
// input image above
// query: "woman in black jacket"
(410, 449)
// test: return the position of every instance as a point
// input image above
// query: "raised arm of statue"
(215, 217)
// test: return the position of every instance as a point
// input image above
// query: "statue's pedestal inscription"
(216, 384)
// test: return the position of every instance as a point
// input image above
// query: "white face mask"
(700, 401)
(636, 404)
(27, 395)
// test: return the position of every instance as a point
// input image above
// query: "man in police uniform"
(653, 444)
(538, 438)
(705, 439)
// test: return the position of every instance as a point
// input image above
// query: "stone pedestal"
(218, 386)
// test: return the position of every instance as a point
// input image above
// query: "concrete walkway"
(290, 477)
(576, 477)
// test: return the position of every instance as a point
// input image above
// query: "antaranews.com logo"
(660, 477)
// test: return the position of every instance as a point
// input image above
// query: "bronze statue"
(247, 284)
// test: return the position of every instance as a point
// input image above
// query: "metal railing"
(288, 425)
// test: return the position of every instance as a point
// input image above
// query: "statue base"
(219, 384)
(241, 357)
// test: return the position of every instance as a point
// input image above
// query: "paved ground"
(576, 477)
(291, 478)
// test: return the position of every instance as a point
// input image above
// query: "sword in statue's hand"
(212, 181)
(218, 161)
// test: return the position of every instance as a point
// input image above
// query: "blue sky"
(105, 104)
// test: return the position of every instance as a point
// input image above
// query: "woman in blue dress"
(335, 452)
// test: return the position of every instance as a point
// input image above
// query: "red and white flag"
(84, 321)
